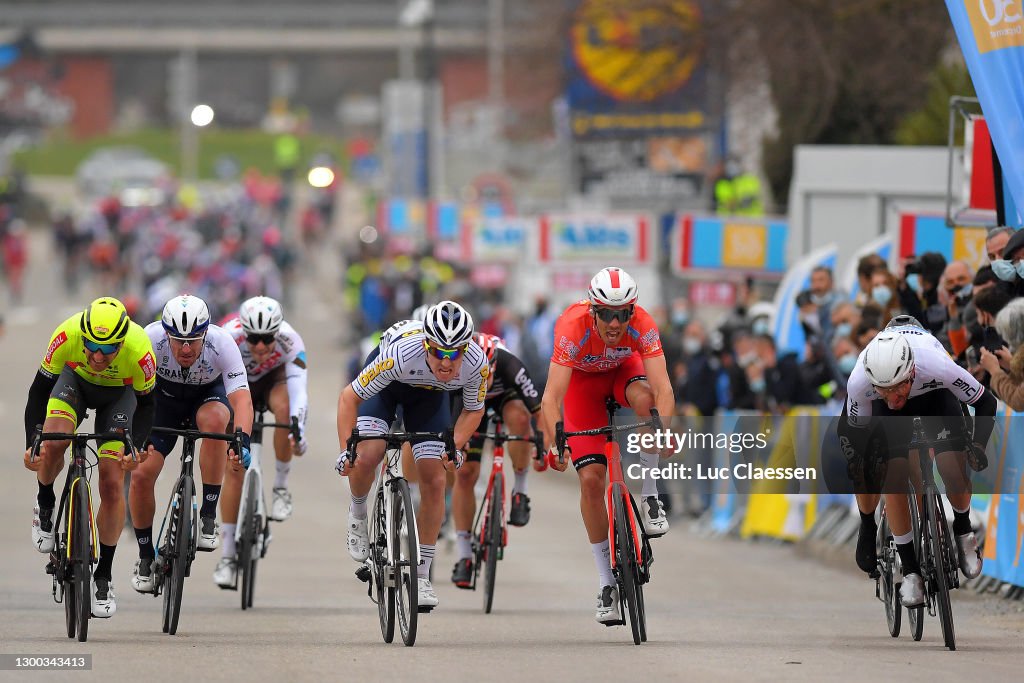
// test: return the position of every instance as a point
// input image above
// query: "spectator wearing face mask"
(1010, 267)
(1006, 364)
(824, 296)
(995, 242)
(865, 267)
(776, 380)
(845, 316)
(701, 370)
(989, 303)
(884, 287)
(740, 396)
(966, 324)
(954, 294)
(918, 291)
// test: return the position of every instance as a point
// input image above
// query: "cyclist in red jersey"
(606, 345)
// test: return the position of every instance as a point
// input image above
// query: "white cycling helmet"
(612, 287)
(260, 315)
(186, 316)
(420, 313)
(888, 359)
(448, 325)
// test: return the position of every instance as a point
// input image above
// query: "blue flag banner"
(991, 36)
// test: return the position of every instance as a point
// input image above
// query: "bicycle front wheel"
(916, 614)
(404, 554)
(384, 589)
(938, 540)
(179, 542)
(626, 562)
(890, 588)
(82, 556)
(248, 554)
(492, 539)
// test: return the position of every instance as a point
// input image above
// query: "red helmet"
(490, 343)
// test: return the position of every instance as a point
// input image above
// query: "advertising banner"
(715, 243)
(922, 232)
(595, 238)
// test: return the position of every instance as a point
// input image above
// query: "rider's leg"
(464, 503)
(593, 486)
(142, 500)
(897, 512)
(212, 416)
(640, 398)
(110, 516)
(279, 406)
(431, 512)
(517, 422)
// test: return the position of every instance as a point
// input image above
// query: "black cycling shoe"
(519, 515)
(462, 574)
(867, 558)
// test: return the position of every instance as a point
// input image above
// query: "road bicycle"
(252, 533)
(76, 542)
(390, 569)
(490, 529)
(631, 549)
(179, 530)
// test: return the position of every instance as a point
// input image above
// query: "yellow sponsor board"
(969, 246)
(744, 246)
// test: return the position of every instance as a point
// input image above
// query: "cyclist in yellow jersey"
(97, 359)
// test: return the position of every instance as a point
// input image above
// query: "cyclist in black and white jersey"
(905, 373)
(414, 367)
(511, 395)
(200, 384)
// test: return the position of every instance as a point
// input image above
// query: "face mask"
(1020, 268)
(964, 292)
(757, 385)
(914, 282)
(844, 329)
(691, 345)
(811, 320)
(761, 326)
(820, 299)
(747, 359)
(680, 318)
(847, 363)
(881, 294)
(1004, 270)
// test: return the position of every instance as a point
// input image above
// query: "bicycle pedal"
(424, 610)
(363, 574)
(617, 622)
(875, 575)
(51, 569)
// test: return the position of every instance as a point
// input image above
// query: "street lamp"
(202, 115)
(420, 14)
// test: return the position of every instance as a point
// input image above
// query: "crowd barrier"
(795, 510)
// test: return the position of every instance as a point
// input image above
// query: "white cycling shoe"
(42, 530)
(427, 596)
(358, 539)
(142, 575)
(226, 573)
(608, 610)
(912, 591)
(281, 508)
(969, 554)
(209, 534)
(103, 604)
(653, 514)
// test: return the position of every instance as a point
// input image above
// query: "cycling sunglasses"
(191, 341)
(254, 339)
(105, 349)
(441, 354)
(607, 315)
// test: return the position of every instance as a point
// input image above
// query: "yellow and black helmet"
(105, 321)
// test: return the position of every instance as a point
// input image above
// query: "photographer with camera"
(1005, 364)
(965, 324)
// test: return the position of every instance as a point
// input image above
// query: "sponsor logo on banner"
(148, 365)
(744, 246)
(622, 238)
(969, 246)
(501, 239)
(371, 373)
(997, 24)
(54, 345)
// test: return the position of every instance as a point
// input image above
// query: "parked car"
(115, 169)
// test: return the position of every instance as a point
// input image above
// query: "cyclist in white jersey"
(413, 368)
(905, 373)
(200, 384)
(275, 362)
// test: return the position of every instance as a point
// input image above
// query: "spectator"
(996, 241)
(865, 267)
(823, 295)
(883, 294)
(866, 330)
(918, 292)
(744, 354)
(701, 370)
(962, 328)
(1010, 268)
(845, 317)
(775, 380)
(1006, 365)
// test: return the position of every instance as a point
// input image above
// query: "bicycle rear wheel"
(64, 568)
(248, 554)
(625, 562)
(641, 609)
(492, 539)
(890, 588)
(384, 594)
(178, 541)
(939, 540)
(404, 551)
(916, 614)
(82, 556)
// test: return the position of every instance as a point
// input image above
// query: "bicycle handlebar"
(562, 436)
(194, 434)
(78, 438)
(396, 439)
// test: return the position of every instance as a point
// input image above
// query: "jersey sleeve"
(647, 336)
(474, 391)
(232, 367)
(858, 399)
(384, 370)
(58, 352)
(566, 345)
(515, 375)
(143, 367)
(962, 383)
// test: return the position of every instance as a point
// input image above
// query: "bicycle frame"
(255, 471)
(187, 462)
(390, 473)
(497, 467)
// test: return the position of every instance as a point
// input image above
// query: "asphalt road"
(717, 609)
